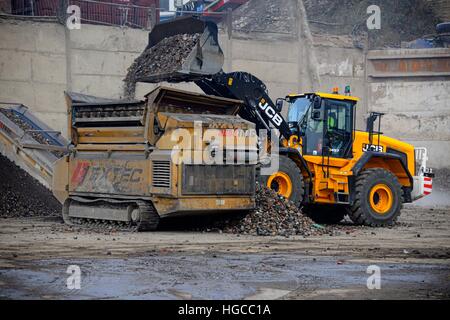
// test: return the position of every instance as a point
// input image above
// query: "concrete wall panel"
(438, 152)
(17, 92)
(417, 126)
(104, 38)
(87, 62)
(49, 68)
(275, 51)
(416, 96)
(268, 71)
(49, 97)
(99, 85)
(15, 66)
(17, 35)
(50, 37)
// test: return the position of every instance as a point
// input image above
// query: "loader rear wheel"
(324, 214)
(378, 198)
(287, 181)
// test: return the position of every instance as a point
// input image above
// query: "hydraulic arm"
(258, 107)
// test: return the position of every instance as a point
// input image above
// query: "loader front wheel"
(378, 198)
(287, 181)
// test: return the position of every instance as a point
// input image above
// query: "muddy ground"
(413, 257)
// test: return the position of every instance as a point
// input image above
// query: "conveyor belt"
(30, 143)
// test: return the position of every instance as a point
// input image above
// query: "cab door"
(338, 129)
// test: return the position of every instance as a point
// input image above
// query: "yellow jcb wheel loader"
(333, 170)
(325, 164)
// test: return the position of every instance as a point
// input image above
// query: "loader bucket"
(205, 59)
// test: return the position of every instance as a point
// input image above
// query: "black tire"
(290, 168)
(325, 214)
(362, 212)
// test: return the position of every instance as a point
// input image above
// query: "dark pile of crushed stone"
(23, 196)
(25, 126)
(274, 216)
(165, 57)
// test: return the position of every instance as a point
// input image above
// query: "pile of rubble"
(27, 127)
(165, 57)
(402, 20)
(23, 196)
(266, 16)
(274, 216)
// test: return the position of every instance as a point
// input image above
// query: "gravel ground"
(23, 196)
(164, 58)
(414, 257)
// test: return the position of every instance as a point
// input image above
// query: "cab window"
(297, 109)
(339, 127)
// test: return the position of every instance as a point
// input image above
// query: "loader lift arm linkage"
(258, 106)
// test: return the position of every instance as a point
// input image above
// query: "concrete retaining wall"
(33, 68)
(413, 88)
(40, 60)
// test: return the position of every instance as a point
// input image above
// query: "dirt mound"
(23, 196)
(165, 57)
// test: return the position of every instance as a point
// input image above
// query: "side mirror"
(279, 104)
(318, 109)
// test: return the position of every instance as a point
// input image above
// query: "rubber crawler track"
(149, 220)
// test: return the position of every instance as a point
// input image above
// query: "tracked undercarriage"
(123, 216)
(119, 172)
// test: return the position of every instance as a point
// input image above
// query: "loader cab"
(324, 122)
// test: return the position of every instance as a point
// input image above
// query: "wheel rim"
(381, 199)
(281, 183)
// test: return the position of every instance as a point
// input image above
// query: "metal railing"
(108, 12)
(92, 11)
